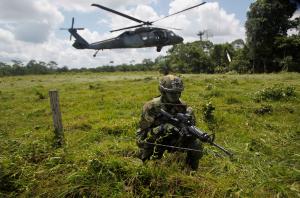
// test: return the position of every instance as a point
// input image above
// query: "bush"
(208, 110)
(277, 92)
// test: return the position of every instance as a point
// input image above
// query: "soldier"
(153, 130)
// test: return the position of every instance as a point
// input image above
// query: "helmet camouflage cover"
(170, 83)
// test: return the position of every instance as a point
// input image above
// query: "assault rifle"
(186, 127)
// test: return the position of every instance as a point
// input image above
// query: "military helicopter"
(143, 36)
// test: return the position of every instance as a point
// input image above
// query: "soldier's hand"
(168, 127)
(184, 132)
(144, 144)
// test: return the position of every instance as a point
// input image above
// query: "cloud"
(294, 31)
(13, 11)
(142, 12)
(24, 32)
(296, 14)
(30, 20)
(218, 23)
(6, 37)
(84, 6)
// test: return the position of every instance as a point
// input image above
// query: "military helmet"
(170, 83)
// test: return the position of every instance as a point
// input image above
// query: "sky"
(29, 29)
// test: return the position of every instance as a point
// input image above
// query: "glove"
(184, 132)
(164, 129)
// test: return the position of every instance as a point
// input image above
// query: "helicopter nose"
(179, 39)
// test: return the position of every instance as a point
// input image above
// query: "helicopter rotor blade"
(179, 29)
(118, 13)
(135, 26)
(164, 27)
(180, 11)
(72, 23)
(72, 26)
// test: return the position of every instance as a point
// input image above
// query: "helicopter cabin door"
(147, 39)
(161, 37)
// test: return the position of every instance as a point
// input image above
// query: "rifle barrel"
(220, 147)
(200, 133)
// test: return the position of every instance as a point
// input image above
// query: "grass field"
(256, 116)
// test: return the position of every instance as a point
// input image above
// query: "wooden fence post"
(57, 121)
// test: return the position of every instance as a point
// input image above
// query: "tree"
(266, 20)
(177, 58)
(161, 65)
(147, 63)
(288, 52)
(240, 62)
(34, 67)
(238, 44)
(17, 68)
(189, 57)
(219, 57)
(5, 70)
(52, 65)
(295, 24)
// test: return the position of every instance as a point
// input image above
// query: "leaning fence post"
(57, 121)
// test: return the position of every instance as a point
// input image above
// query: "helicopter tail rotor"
(72, 28)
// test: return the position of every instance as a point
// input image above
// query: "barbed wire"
(170, 146)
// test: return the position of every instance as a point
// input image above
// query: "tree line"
(17, 68)
(194, 57)
(268, 48)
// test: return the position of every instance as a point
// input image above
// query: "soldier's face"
(173, 96)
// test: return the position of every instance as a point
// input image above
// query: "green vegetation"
(270, 47)
(100, 116)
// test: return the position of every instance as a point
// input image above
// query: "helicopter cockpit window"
(124, 34)
(172, 34)
(144, 38)
(127, 33)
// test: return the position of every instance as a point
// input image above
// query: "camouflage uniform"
(154, 130)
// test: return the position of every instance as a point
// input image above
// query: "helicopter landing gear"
(158, 49)
(96, 53)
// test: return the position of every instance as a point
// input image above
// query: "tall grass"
(101, 114)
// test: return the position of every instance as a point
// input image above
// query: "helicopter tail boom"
(80, 43)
